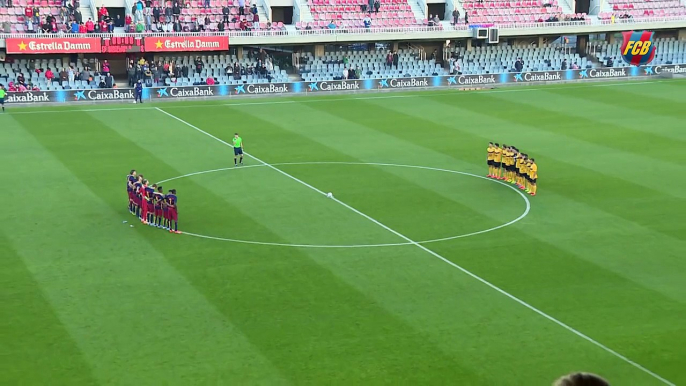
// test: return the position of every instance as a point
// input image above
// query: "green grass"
(86, 299)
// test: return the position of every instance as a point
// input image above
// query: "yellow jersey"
(491, 153)
(510, 157)
(498, 154)
(533, 170)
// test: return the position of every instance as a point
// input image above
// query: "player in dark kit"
(158, 199)
(142, 192)
(130, 181)
(172, 210)
(149, 193)
(137, 197)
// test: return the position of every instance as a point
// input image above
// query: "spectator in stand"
(105, 66)
(466, 17)
(370, 5)
(29, 26)
(20, 79)
(102, 13)
(176, 10)
(53, 25)
(148, 18)
(140, 27)
(367, 22)
(430, 20)
(6, 27)
(377, 5)
(256, 21)
(437, 21)
(345, 73)
(11, 87)
(456, 16)
(28, 12)
(519, 65)
(198, 65)
(90, 26)
(64, 15)
(210, 81)
(396, 59)
(49, 75)
(77, 16)
(220, 26)
(156, 12)
(243, 25)
(253, 9)
(85, 74)
(64, 76)
(177, 26)
(332, 25)
(36, 15)
(226, 11)
(82, 28)
(563, 66)
(269, 26)
(575, 66)
(609, 63)
(241, 7)
(71, 75)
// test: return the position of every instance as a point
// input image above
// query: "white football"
(329, 195)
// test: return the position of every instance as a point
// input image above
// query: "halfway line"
(425, 249)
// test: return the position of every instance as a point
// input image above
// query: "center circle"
(521, 216)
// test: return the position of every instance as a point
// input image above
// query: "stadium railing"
(635, 23)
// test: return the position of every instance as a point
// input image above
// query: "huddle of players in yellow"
(509, 164)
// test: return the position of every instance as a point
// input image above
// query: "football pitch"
(418, 271)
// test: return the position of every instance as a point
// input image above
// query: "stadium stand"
(670, 51)
(623, 9)
(351, 14)
(501, 58)
(371, 64)
(215, 66)
(198, 16)
(498, 12)
(34, 74)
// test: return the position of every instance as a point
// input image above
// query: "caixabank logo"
(257, 89)
(543, 76)
(405, 82)
(638, 48)
(102, 95)
(31, 97)
(185, 92)
(336, 85)
(603, 73)
(472, 80)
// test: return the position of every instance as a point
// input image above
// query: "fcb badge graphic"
(638, 48)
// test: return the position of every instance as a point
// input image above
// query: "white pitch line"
(426, 93)
(436, 255)
(521, 216)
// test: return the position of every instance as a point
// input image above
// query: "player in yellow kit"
(523, 172)
(533, 176)
(509, 176)
(497, 161)
(489, 159)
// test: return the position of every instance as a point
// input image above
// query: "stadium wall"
(323, 87)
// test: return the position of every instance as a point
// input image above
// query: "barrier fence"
(322, 87)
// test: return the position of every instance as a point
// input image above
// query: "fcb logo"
(638, 48)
